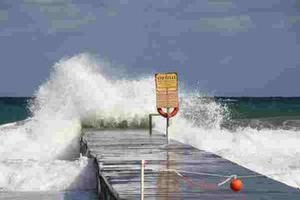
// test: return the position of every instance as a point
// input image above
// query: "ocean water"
(262, 112)
(40, 155)
(13, 109)
(255, 112)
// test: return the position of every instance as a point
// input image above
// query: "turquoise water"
(262, 107)
(262, 112)
(254, 112)
(241, 109)
(13, 109)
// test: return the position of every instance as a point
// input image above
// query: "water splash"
(57, 175)
(78, 94)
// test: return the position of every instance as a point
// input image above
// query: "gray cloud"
(297, 4)
(221, 5)
(293, 20)
(69, 24)
(11, 30)
(3, 15)
(226, 60)
(178, 55)
(227, 25)
(45, 2)
(279, 25)
(63, 15)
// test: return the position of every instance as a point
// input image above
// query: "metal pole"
(168, 173)
(150, 124)
(167, 128)
(142, 179)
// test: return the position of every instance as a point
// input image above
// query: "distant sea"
(255, 112)
(13, 109)
(262, 112)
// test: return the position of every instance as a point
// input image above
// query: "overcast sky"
(224, 47)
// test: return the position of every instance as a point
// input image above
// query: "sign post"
(167, 127)
(167, 95)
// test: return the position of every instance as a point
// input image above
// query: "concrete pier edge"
(104, 189)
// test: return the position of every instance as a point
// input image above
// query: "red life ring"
(172, 114)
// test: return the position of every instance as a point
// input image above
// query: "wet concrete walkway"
(118, 154)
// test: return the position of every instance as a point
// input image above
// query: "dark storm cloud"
(230, 47)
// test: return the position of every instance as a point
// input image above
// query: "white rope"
(208, 174)
(205, 174)
(228, 177)
(227, 180)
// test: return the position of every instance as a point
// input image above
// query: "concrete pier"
(118, 155)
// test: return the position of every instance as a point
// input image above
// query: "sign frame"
(167, 90)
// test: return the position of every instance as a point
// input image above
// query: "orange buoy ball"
(236, 185)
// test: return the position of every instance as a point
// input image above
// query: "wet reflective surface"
(119, 153)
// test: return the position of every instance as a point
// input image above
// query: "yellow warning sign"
(166, 90)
